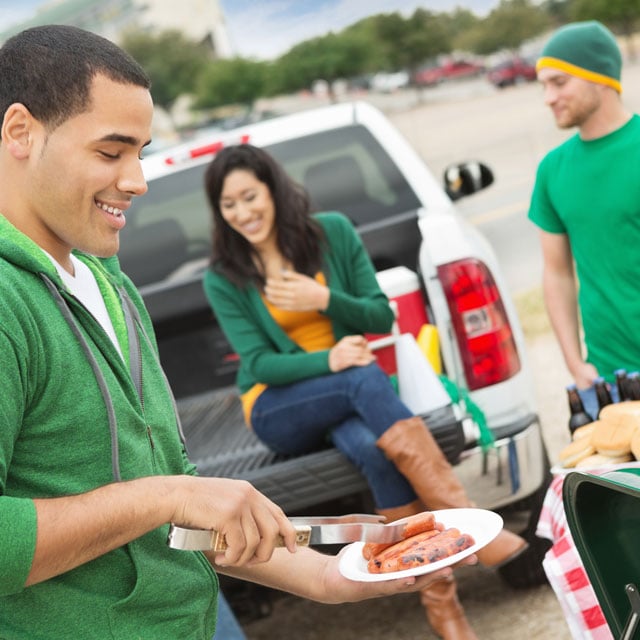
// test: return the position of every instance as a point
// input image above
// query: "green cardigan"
(55, 441)
(356, 305)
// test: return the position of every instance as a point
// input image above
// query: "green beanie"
(584, 49)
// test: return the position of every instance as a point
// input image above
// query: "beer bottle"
(633, 385)
(622, 382)
(579, 417)
(602, 393)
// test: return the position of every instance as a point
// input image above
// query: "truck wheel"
(526, 570)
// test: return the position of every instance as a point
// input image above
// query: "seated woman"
(294, 293)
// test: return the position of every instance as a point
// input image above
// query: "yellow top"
(310, 330)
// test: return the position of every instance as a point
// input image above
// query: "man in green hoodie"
(92, 465)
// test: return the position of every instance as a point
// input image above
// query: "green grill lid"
(603, 513)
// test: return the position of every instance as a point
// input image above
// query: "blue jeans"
(352, 409)
(590, 400)
(227, 627)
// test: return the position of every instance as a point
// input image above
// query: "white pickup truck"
(351, 159)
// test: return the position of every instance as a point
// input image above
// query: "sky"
(265, 29)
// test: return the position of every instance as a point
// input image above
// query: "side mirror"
(466, 178)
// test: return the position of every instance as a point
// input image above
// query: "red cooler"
(402, 286)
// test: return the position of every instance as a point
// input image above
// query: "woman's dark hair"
(50, 70)
(300, 237)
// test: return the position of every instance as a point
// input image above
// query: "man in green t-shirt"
(586, 201)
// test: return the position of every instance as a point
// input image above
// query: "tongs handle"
(210, 539)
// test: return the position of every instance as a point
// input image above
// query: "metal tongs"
(315, 530)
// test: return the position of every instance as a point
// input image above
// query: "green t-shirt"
(590, 190)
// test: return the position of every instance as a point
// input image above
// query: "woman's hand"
(316, 576)
(351, 351)
(296, 292)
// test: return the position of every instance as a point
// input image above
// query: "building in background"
(199, 20)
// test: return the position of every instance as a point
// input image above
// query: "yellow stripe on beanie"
(574, 70)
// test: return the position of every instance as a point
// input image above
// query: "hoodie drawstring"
(102, 383)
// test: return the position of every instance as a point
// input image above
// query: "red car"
(512, 72)
(461, 69)
(452, 70)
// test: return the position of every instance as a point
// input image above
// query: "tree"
(459, 21)
(234, 81)
(327, 57)
(407, 43)
(508, 26)
(390, 30)
(426, 35)
(459, 24)
(365, 31)
(557, 10)
(172, 61)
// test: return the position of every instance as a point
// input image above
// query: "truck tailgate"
(219, 444)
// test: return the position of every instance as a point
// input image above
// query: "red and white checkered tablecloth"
(566, 573)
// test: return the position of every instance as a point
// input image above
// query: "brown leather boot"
(444, 611)
(411, 447)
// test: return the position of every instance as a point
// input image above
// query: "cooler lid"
(603, 513)
(398, 281)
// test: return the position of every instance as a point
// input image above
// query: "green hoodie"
(55, 440)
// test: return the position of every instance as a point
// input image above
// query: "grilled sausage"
(399, 549)
(419, 523)
(424, 521)
(429, 550)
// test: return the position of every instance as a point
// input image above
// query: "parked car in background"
(510, 72)
(360, 83)
(387, 82)
(448, 70)
(428, 76)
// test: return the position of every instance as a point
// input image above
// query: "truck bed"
(219, 444)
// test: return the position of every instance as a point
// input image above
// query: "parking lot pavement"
(495, 611)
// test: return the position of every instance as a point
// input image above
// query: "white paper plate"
(483, 525)
(558, 470)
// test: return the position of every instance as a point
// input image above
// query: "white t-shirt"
(83, 286)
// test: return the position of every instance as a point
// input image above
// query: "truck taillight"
(482, 328)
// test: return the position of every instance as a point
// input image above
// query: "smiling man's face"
(84, 174)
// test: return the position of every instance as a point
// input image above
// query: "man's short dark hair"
(50, 70)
